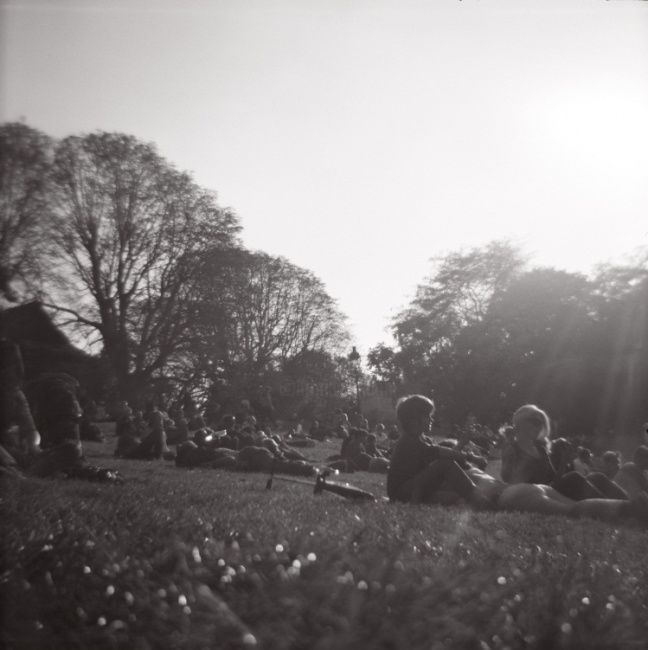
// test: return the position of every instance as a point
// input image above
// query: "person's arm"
(476, 460)
(437, 452)
(545, 458)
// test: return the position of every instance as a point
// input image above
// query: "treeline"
(146, 264)
(485, 333)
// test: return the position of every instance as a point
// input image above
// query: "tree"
(25, 159)
(310, 384)
(455, 298)
(129, 231)
(621, 360)
(383, 362)
(256, 311)
(534, 345)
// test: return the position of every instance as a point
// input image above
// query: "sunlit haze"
(361, 138)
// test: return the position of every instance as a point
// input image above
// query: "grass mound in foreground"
(210, 559)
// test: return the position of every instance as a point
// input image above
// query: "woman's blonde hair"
(532, 413)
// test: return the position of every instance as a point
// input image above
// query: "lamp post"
(354, 358)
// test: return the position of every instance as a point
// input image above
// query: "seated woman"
(526, 458)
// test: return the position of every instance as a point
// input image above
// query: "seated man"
(633, 476)
(422, 472)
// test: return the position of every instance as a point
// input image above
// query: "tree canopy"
(25, 159)
(129, 229)
(256, 311)
(486, 333)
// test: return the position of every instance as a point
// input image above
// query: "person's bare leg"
(606, 509)
(527, 497)
(546, 500)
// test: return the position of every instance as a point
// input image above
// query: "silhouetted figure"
(420, 471)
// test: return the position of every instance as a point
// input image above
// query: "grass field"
(176, 558)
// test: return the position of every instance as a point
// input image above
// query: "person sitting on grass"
(353, 452)
(317, 431)
(583, 461)
(562, 454)
(422, 472)
(231, 438)
(610, 464)
(371, 446)
(53, 401)
(527, 459)
(179, 430)
(152, 446)
(125, 426)
(633, 476)
(195, 420)
(379, 462)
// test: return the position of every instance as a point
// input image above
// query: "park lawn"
(176, 558)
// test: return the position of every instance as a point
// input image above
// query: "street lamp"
(354, 358)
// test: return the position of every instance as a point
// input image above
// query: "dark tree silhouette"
(25, 159)
(130, 229)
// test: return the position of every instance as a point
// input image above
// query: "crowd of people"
(43, 423)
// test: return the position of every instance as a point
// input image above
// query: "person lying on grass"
(254, 452)
(527, 458)
(421, 472)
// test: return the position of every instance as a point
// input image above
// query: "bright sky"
(360, 138)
